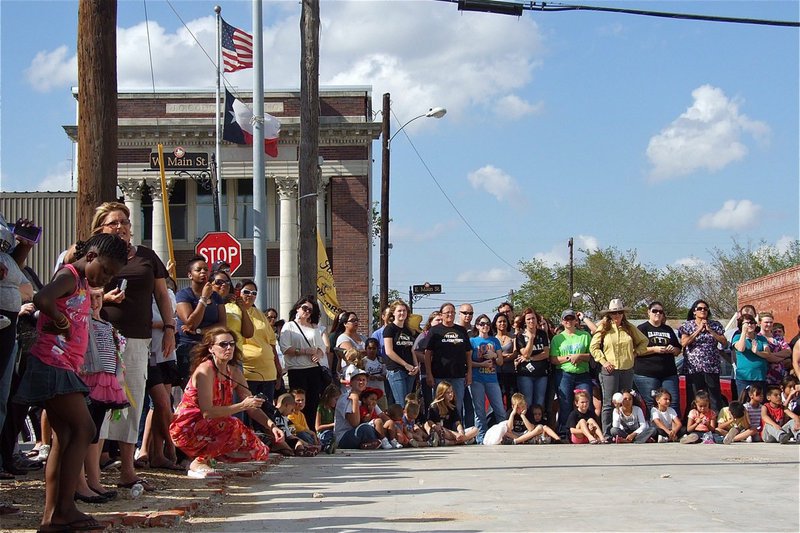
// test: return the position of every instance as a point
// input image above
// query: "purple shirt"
(701, 354)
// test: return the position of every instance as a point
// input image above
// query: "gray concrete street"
(653, 487)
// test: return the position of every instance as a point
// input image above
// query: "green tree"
(393, 295)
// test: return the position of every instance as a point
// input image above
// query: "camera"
(260, 396)
(29, 234)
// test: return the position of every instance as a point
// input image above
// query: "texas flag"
(238, 126)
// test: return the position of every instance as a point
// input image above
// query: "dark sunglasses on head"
(248, 292)
(220, 282)
(226, 344)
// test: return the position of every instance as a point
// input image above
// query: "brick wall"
(778, 293)
(350, 254)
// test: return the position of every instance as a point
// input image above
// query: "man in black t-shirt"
(448, 356)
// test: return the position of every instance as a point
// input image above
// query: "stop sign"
(220, 246)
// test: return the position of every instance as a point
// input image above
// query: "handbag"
(325, 372)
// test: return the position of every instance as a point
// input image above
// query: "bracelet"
(169, 326)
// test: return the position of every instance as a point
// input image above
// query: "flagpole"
(259, 178)
(218, 133)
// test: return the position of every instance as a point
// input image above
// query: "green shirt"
(565, 344)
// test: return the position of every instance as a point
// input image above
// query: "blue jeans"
(534, 389)
(458, 388)
(352, 439)
(480, 391)
(566, 385)
(645, 385)
(401, 384)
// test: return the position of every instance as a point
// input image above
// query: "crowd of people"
(123, 370)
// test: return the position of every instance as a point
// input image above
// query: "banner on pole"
(326, 288)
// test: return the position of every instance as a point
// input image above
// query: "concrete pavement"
(652, 487)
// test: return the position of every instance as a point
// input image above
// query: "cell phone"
(123, 285)
(29, 234)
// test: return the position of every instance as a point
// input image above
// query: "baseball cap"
(350, 373)
(568, 312)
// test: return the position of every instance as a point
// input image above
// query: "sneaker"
(44, 453)
(545, 439)
(414, 443)
(690, 438)
(708, 438)
(385, 444)
(507, 441)
(730, 436)
(396, 444)
(662, 438)
(749, 439)
(330, 449)
(785, 437)
(434, 440)
(470, 441)
(4, 321)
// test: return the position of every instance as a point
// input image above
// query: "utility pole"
(571, 269)
(384, 252)
(97, 109)
(309, 146)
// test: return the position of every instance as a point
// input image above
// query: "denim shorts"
(42, 382)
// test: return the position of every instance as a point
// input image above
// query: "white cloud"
(732, 216)
(405, 233)
(691, 262)
(783, 243)
(490, 275)
(708, 135)
(58, 179)
(469, 60)
(497, 183)
(559, 253)
(51, 70)
(512, 107)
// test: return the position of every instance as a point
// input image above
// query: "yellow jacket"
(617, 347)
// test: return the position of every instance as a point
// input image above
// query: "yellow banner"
(326, 288)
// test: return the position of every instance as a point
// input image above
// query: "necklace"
(131, 251)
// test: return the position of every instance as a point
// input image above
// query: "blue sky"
(667, 136)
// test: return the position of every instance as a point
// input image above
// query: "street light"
(435, 112)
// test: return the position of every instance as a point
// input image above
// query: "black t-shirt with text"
(537, 369)
(450, 345)
(450, 421)
(403, 341)
(657, 366)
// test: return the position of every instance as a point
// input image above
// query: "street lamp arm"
(434, 112)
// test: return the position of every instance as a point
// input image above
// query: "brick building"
(779, 293)
(184, 121)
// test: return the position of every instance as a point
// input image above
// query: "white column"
(289, 286)
(159, 224)
(322, 187)
(132, 189)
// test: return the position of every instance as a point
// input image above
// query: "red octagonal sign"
(220, 246)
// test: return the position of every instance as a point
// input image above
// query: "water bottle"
(136, 490)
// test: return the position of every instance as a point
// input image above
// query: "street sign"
(427, 288)
(220, 246)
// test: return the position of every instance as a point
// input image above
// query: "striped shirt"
(753, 415)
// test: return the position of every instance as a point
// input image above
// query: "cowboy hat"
(615, 305)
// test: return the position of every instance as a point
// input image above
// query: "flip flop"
(85, 524)
(141, 463)
(53, 528)
(143, 482)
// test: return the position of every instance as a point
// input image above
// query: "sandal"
(305, 452)
(7, 509)
(141, 463)
(85, 524)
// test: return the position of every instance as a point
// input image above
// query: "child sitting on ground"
(791, 394)
(537, 415)
(395, 413)
(326, 411)
(780, 424)
(628, 423)
(664, 418)
(376, 370)
(753, 397)
(298, 419)
(444, 423)
(371, 414)
(583, 428)
(279, 414)
(517, 428)
(734, 425)
(702, 421)
(419, 437)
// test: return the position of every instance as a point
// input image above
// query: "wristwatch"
(169, 326)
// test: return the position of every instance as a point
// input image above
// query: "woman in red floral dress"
(204, 426)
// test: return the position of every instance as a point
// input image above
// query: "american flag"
(237, 48)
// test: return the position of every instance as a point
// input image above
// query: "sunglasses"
(355, 320)
(701, 308)
(483, 323)
(749, 322)
(226, 344)
(657, 311)
(615, 313)
(306, 308)
(569, 318)
(248, 292)
(220, 282)
(467, 312)
(272, 317)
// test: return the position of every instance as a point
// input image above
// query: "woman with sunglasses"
(487, 357)
(615, 345)
(198, 309)
(204, 426)
(259, 358)
(304, 350)
(699, 338)
(655, 369)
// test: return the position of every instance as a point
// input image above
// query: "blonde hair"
(103, 210)
(582, 393)
(353, 356)
(518, 398)
(395, 305)
(440, 401)
(412, 408)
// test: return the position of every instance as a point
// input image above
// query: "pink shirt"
(56, 350)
